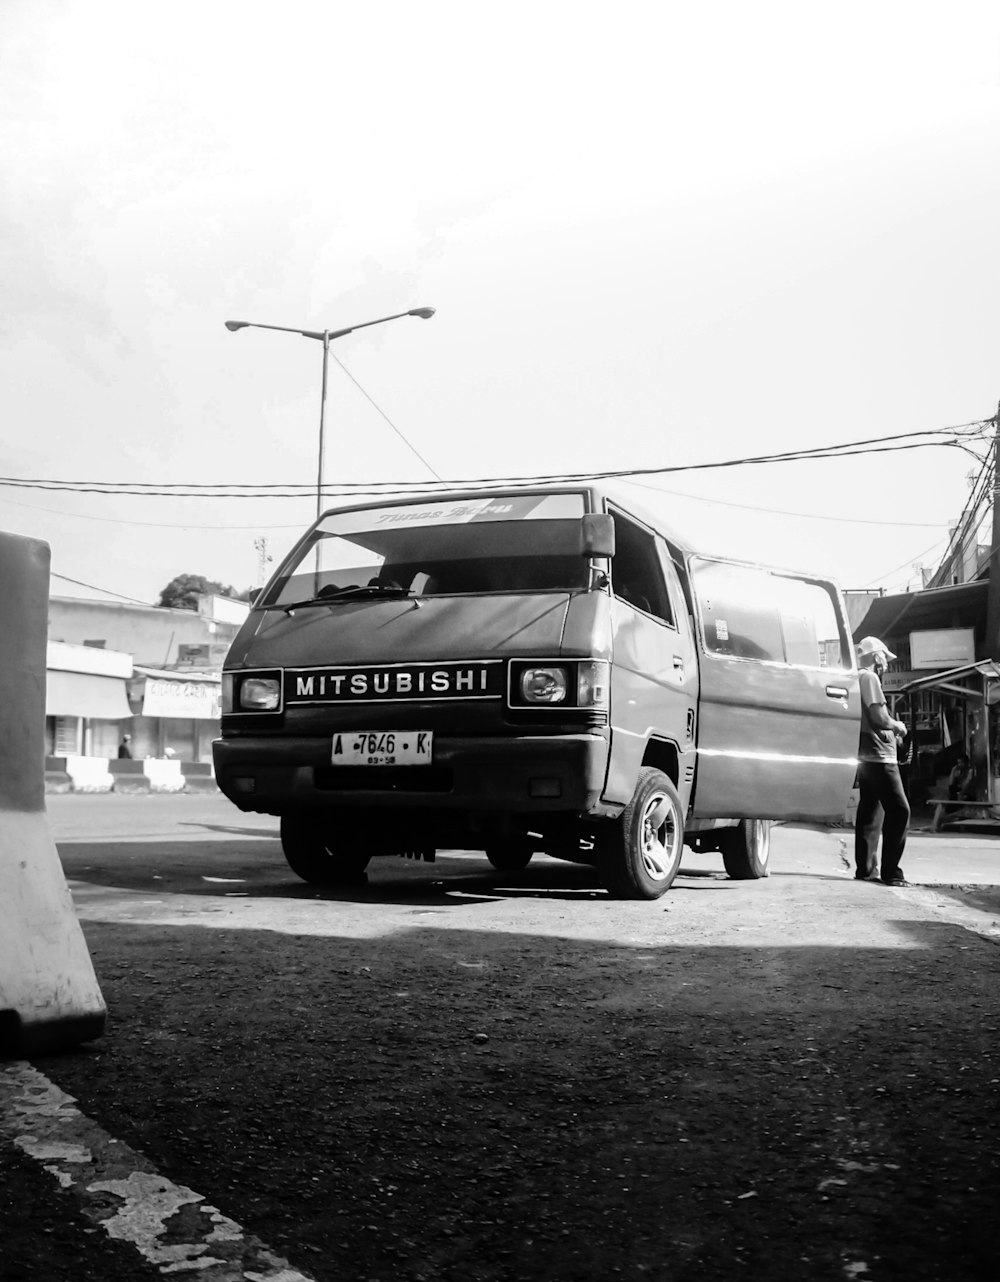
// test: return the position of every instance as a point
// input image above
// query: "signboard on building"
(223, 609)
(192, 700)
(942, 648)
(203, 655)
(194, 656)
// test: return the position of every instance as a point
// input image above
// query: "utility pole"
(991, 646)
(263, 559)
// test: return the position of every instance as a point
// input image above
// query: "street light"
(326, 336)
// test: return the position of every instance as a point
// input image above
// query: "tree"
(183, 591)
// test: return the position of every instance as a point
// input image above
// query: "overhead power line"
(803, 516)
(966, 532)
(257, 526)
(910, 560)
(950, 436)
(152, 525)
(107, 591)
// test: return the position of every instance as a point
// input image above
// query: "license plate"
(383, 748)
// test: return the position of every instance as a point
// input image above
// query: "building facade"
(86, 699)
(939, 635)
(154, 673)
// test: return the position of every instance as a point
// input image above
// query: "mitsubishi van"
(534, 669)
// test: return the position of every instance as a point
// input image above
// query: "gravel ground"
(447, 1077)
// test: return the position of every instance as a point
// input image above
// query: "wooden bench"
(942, 806)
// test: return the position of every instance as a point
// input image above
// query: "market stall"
(955, 720)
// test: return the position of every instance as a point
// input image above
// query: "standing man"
(882, 804)
(125, 748)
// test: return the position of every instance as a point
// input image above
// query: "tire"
(746, 849)
(640, 860)
(323, 853)
(512, 855)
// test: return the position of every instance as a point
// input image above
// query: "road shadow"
(229, 828)
(483, 1100)
(257, 869)
(220, 867)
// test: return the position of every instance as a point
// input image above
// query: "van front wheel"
(323, 853)
(642, 851)
(746, 849)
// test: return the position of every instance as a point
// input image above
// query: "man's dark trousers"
(881, 806)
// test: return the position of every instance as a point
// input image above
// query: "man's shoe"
(900, 883)
(872, 876)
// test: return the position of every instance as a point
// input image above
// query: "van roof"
(599, 490)
(614, 489)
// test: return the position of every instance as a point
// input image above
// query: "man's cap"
(872, 645)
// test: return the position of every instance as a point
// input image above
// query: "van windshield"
(500, 543)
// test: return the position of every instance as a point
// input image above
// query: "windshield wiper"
(351, 593)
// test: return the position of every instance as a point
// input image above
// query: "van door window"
(750, 613)
(636, 575)
(809, 625)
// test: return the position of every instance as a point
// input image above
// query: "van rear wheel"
(322, 851)
(642, 851)
(746, 849)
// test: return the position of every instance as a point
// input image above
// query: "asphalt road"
(453, 1073)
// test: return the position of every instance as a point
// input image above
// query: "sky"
(655, 235)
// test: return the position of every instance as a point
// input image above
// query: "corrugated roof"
(961, 605)
(987, 668)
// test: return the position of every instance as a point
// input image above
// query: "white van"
(534, 669)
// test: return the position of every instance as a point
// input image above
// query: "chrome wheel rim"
(659, 843)
(760, 839)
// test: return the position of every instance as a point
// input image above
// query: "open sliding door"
(779, 709)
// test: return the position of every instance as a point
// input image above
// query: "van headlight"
(543, 685)
(251, 691)
(574, 683)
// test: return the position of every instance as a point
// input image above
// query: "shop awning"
(951, 682)
(960, 605)
(85, 694)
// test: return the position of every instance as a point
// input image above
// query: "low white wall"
(163, 775)
(89, 774)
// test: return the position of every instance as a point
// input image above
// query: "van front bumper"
(510, 775)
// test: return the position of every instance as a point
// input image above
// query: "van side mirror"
(597, 535)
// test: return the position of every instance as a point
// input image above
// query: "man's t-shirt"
(874, 744)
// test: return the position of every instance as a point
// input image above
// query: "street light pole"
(322, 427)
(326, 336)
(993, 589)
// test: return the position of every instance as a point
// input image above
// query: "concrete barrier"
(128, 776)
(49, 995)
(56, 775)
(163, 775)
(101, 774)
(198, 776)
(89, 774)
